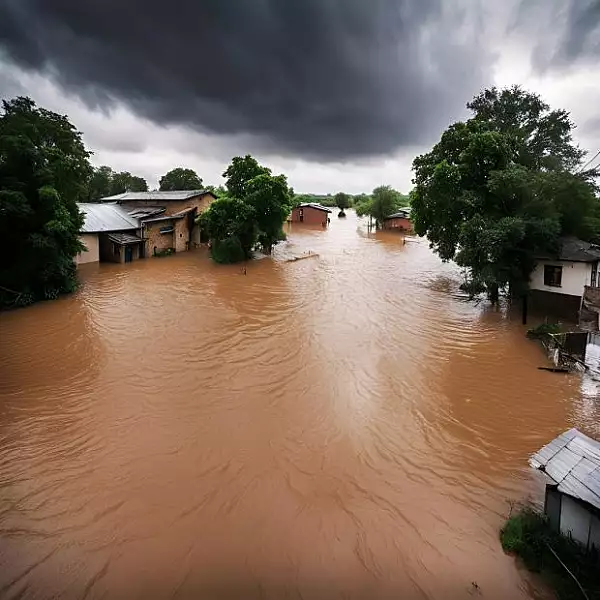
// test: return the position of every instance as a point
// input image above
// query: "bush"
(228, 251)
(543, 330)
(528, 535)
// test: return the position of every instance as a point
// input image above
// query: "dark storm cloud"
(568, 31)
(318, 78)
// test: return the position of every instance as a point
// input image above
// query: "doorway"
(128, 254)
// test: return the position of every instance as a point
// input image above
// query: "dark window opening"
(168, 229)
(552, 276)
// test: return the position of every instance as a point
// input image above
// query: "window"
(168, 229)
(552, 275)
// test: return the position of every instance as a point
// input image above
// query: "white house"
(557, 283)
(571, 463)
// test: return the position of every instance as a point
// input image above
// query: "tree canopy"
(126, 182)
(103, 182)
(240, 172)
(502, 186)
(342, 201)
(257, 205)
(44, 170)
(180, 179)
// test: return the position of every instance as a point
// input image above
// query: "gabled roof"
(314, 205)
(572, 461)
(573, 250)
(157, 196)
(106, 217)
(403, 213)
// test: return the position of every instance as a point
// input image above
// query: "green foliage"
(164, 252)
(180, 179)
(44, 168)
(126, 182)
(542, 330)
(500, 187)
(528, 535)
(270, 198)
(342, 201)
(385, 201)
(239, 174)
(230, 218)
(363, 205)
(228, 251)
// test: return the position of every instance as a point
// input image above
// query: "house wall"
(575, 276)
(398, 224)
(575, 520)
(182, 235)
(312, 216)
(92, 254)
(155, 239)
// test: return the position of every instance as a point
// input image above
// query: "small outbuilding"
(109, 234)
(311, 213)
(571, 463)
(399, 221)
(558, 281)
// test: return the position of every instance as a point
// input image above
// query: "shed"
(100, 222)
(571, 463)
(311, 213)
(399, 221)
(559, 279)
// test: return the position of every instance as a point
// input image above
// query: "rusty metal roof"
(106, 217)
(572, 461)
(124, 239)
(314, 205)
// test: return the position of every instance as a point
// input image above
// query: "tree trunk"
(493, 293)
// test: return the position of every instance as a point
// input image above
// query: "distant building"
(110, 234)
(557, 283)
(571, 463)
(311, 214)
(399, 221)
(168, 219)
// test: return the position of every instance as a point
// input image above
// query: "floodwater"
(344, 426)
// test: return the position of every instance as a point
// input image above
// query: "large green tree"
(342, 201)
(271, 200)
(180, 179)
(239, 174)
(44, 170)
(385, 201)
(126, 182)
(99, 185)
(502, 186)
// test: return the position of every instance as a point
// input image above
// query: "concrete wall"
(575, 520)
(181, 235)
(92, 254)
(399, 224)
(311, 216)
(575, 276)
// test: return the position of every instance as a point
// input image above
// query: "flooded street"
(344, 426)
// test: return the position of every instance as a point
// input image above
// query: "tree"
(180, 179)
(342, 201)
(240, 172)
(44, 170)
(126, 182)
(230, 225)
(271, 200)
(385, 201)
(99, 185)
(502, 186)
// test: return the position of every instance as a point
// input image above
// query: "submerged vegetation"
(563, 564)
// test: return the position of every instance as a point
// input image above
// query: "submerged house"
(558, 282)
(168, 219)
(571, 464)
(399, 221)
(110, 234)
(310, 213)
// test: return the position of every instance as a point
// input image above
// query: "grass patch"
(528, 535)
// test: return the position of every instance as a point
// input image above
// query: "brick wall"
(156, 239)
(311, 216)
(398, 224)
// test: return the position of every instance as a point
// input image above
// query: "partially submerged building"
(168, 219)
(311, 213)
(558, 282)
(399, 221)
(110, 234)
(571, 464)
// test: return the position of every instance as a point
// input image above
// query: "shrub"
(228, 251)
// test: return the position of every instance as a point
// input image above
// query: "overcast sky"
(337, 94)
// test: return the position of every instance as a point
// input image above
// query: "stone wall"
(590, 309)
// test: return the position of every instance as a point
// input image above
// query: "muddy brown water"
(344, 426)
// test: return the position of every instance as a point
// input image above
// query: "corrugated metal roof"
(156, 196)
(403, 213)
(572, 461)
(573, 250)
(314, 205)
(124, 238)
(106, 217)
(147, 211)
